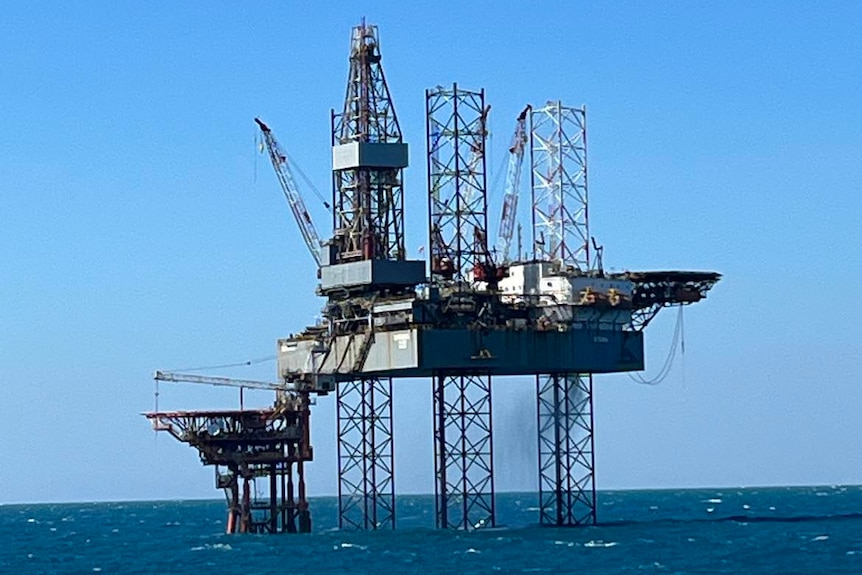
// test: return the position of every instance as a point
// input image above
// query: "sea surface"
(752, 530)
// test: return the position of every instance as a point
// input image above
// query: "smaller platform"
(269, 445)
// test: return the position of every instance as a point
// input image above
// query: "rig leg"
(302, 503)
(567, 490)
(463, 451)
(245, 520)
(273, 498)
(233, 511)
(290, 504)
(366, 478)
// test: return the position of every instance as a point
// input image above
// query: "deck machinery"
(552, 313)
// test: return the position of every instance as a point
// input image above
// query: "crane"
(288, 185)
(174, 377)
(513, 182)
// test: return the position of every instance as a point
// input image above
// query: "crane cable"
(307, 180)
(207, 367)
(678, 341)
(227, 365)
(260, 147)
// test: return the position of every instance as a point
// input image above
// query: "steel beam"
(366, 480)
(463, 451)
(567, 491)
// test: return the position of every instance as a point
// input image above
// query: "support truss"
(567, 492)
(659, 289)
(458, 211)
(366, 481)
(558, 155)
(463, 451)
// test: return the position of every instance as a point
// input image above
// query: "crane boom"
(219, 381)
(288, 186)
(513, 182)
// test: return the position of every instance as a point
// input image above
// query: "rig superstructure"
(476, 314)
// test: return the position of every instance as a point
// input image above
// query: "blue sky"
(139, 228)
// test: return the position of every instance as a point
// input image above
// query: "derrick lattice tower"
(368, 193)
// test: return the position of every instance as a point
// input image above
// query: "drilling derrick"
(368, 157)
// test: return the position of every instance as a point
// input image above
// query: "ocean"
(730, 530)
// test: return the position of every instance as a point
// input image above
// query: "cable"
(682, 342)
(307, 181)
(677, 341)
(227, 365)
(668, 363)
(255, 152)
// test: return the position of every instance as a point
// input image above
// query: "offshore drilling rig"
(476, 313)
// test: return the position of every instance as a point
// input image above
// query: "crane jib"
(291, 192)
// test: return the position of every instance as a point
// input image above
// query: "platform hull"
(422, 352)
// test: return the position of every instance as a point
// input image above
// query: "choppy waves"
(808, 530)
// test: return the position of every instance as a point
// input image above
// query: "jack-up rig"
(552, 313)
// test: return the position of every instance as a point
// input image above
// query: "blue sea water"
(756, 530)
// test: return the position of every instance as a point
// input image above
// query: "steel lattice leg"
(366, 479)
(463, 451)
(567, 491)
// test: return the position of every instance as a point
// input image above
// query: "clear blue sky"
(139, 229)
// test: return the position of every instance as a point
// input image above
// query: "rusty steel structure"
(463, 319)
(250, 446)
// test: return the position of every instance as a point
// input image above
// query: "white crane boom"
(220, 381)
(477, 154)
(513, 182)
(288, 185)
